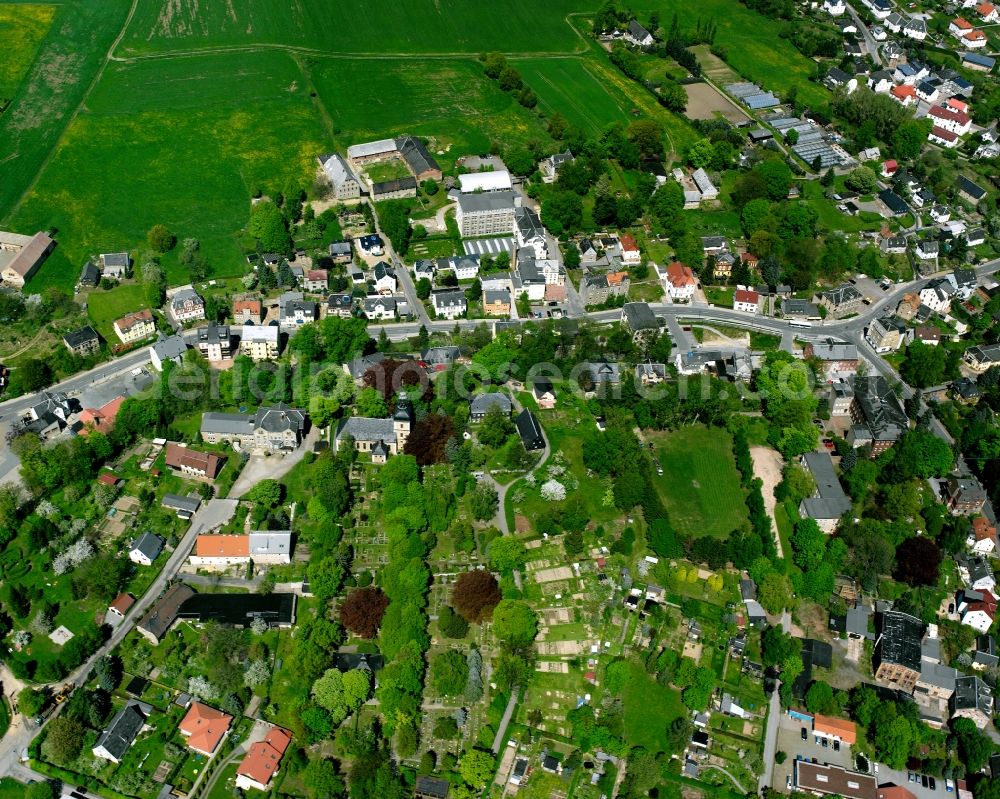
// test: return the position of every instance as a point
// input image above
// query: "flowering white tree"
(553, 491)
(201, 688)
(22, 638)
(76, 554)
(42, 623)
(47, 510)
(259, 625)
(257, 672)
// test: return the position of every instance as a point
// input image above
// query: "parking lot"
(790, 741)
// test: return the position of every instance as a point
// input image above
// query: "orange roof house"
(100, 419)
(892, 791)
(122, 604)
(222, 546)
(192, 462)
(204, 727)
(903, 93)
(262, 760)
(840, 729)
(982, 530)
(962, 24)
(680, 275)
(616, 278)
(109, 479)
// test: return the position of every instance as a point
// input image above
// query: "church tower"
(402, 420)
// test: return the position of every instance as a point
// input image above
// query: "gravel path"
(767, 465)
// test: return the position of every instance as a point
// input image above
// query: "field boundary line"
(69, 121)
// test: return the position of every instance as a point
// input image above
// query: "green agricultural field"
(182, 143)
(22, 28)
(56, 83)
(104, 307)
(700, 485)
(753, 46)
(569, 86)
(450, 102)
(649, 709)
(357, 26)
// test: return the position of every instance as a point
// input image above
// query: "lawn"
(700, 485)
(22, 29)
(754, 48)
(571, 87)
(179, 143)
(104, 307)
(649, 709)
(52, 88)
(449, 101)
(357, 26)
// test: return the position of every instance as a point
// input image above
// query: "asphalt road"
(773, 722)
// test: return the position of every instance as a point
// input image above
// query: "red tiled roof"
(264, 757)
(745, 295)
(982, 529)
(253, 306)
(316, 274)
(891, 165)
(842, 728)
(680, 275)
(629, 243)
(222, 546)
(964, 24)
(108, 479)
(129, 321)
(122, 603)
(893, 791)
(903, 91)
(179, 457)
(204, 727)
(974, 36)
(985, 9)
(950, 114)
(616, 278)
(941, 133)
(100, 419)
(988, 604)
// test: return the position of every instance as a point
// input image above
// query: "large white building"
(260, 343)
(485, 181)
(486, 214)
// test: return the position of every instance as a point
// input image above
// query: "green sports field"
(700, 485)
(22, 28)
(358, 27)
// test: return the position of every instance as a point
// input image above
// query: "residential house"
(896, 657)
(497, 303)
(835, 8)
(121, 605)
(937, 295)
(833, 357)
(706, 188)
(438, 358)
(959, 26)
(115, 265)
(835, 729)
(529, 430)
(544, 394)
(263, 760)
(877, 415)
(829, 502)
(982, 539)
(841, 397)
(122, 731)
(975, 40)
(965, 391)
(465, 267)
(978, 62)
(215, 342)
(50, 413)
(915, 28)
(904, 94)
(260, 343)
(714, 245)
(965, 495)
(976, 572)
(799, 309)
(167, 350)
(247, 312)
(485, 214)
(639, 320)
(340, 251)
(344, 182)
(261, 547)
(145, 549)
(630, 250)
(908, 306)
(191, 462)
(638, 35)
(90, 276)
(161, 617)
(186, 305)
(943, 137)
(649, 373)
(958, 122)
(965, 283)
(385, 278)
(449, 303)
(679, 282)
(840, 301)
(602, 373)
(886, 334)
(880, 81)
(978, 609)
(986, 655)
(895, 205)
(529, 233)
(276, 429)
(370, 244)
(82, 342)
(23, 256)
(294, 310)
(204, 727)
(380, 308)
(315, 281)
(135, 326)
(973, 699)
(746, 300)
(988, 13)
(723, 267)
(482, 404)
(550, 166)
(340, 305)
(979, 359)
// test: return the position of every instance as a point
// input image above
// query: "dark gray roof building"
(122, 731)
(530, 431)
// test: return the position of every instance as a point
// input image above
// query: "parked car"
(949, 786)
(788, 782)
(825, 743)
(836, 746)
(933, 784)
(923, 780)
(805, 733)
(911, 777)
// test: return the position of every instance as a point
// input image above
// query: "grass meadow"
(181, 143)
(103, 307)
(23, 26)
(649, 709)
(700, 485)
(451, 102)
(357, 26)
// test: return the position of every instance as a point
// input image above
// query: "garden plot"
(551, 575)
(564, 648)
(552, 616)
(707, 102)
(552, 666)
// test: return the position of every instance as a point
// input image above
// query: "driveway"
(271, 467)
